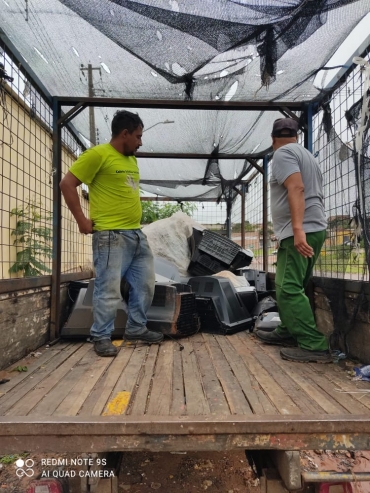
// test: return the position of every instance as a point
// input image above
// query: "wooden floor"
(222, 379)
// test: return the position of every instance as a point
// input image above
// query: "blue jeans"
(117, 254)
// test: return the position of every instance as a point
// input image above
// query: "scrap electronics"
(183, 306)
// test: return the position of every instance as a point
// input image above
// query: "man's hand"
(86, 226)
(301, 244)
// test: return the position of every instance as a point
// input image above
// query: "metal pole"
(57, 219)
(91, 108)
(242, 226)
(264, 214)
(330, 477)
(308, 137)
(228, 218)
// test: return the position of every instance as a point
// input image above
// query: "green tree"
(32, 239)
(248, 227)
(153, 211)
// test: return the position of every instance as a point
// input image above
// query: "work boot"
(275, 338)
(148, 336)
(104, 347)
(305, 355)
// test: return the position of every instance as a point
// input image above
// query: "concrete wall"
(24, 321)
(345, 306)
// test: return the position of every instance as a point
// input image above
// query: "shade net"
(200, 50)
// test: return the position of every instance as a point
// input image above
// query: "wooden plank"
(212, 387)
(282, 377)
(129, 376)
(322, 399)
(324, 424)
(284, 403)
(178, 404)
(33, 366)
(263, 398)
(18, 392)
(237, 402)
(247, 382)
(62, 388)
(352, 405)
(196, 401)
(339, 379)
(24, 406)
(161, 393)
(317, 375)
(72, 403)
(140, 400)
(95, 403)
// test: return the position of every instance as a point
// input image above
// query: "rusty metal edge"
(22, 284)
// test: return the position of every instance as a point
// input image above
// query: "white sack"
(168, 238)
(236, 281)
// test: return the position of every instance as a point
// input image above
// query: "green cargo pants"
(292, 275)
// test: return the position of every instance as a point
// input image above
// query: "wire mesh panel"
(27, 180)
(76, 247)
(253, 230)
(343, 255)
(25, 160)
(212, 215)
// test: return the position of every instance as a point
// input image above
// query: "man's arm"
(68, 186)
(295, 187)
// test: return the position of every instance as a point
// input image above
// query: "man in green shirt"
(120, 248)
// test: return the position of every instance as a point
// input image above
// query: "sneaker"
(305, 355)
(148, 336)
(275, 338)
(104, 347)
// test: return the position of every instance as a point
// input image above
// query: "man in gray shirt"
(299, 221)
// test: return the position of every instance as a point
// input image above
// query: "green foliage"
(153, 211)
(9, 459)
(248, 227)
(20, 368)
(270, 232)
(339, 222)
(32, 239)
(335, 259)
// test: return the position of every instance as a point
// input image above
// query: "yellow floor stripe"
(118, 405)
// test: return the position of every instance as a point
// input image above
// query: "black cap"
(285, 127)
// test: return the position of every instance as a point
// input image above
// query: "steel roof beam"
(173, 155)
(179, 105)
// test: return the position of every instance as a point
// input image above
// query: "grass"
(10, 459)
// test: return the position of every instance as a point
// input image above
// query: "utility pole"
(90, 85)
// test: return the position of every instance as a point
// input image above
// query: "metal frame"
(79, 104)
(156, 433)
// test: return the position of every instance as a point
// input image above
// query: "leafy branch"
(32, 239)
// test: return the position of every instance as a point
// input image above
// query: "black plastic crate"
(242, 259)
(219, 247)
(203, 264)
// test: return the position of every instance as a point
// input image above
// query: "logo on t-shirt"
(132, 182)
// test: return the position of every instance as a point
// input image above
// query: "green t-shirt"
(113, 181)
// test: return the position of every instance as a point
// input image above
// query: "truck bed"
(207, 392)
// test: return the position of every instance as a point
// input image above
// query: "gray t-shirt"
(289, 159)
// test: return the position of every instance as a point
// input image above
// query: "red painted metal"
(45, 486)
